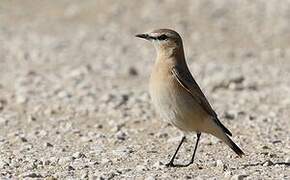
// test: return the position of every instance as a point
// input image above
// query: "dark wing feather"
(189, 84)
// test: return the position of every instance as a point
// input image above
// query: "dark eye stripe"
(162, 37)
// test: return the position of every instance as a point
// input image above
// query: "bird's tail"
(233, 146)
(218, 132)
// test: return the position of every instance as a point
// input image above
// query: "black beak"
(143, 36)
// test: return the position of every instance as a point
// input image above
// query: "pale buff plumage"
(175, 94)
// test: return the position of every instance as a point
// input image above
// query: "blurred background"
(73, 86)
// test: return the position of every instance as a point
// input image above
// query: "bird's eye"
(162, 37)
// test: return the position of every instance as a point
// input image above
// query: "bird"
(177, 97)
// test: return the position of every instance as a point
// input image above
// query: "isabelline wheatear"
(176, 95)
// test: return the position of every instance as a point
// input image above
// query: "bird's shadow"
(182, 165)
(177, 165)
(244, 165)
(269, 164)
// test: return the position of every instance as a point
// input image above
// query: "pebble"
(268, 163)
(3, 164)
(230, 114)
(174, 139)
(121, 135)
(70, 168)
(48, 144)
(3, 121)
(238, 177)
(133, 71)
(65, 160)
(122, 152)
(158, 165)
(23, 139)
(228, 174)
(106, 161)
(150, 178)
(31, 119)
(84, 174)
(20, 99)
(287, 160)
(31, 175)
(78, 155)
(220, 164)
(141, 168)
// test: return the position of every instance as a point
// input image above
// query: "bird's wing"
(185, 79)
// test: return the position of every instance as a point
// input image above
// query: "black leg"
(196, 144)
(170, 164)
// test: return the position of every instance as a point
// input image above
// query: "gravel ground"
(74, 102)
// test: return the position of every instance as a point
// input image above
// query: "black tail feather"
(235, 148)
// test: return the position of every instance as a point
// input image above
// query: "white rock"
(268, 163)
(150, 178)
(228, 174)
(141, 168)
(65, 160)
(158, 165)
(174, 139)
(20, 99)
(3, 121)
(77, 155)
(105, 161)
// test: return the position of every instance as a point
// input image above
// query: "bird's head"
(164, 40)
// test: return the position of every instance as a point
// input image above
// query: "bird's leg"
(196, 144)
(170, 164)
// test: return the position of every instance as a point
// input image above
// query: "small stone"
(161, 135)
(84, 175)
(3, 121)
(65, 160)
(121, 135)
(220, 164)
(158, 165)
(122, 152)
(228, 174)
(21, 99)
(48, 144)
(3, 164)
(133, 71)
(50, 178)
(265, 147)
(150, 178)
(287, 160)
(86, 139)
(31, 118)
(78, 155)
(174, 139)
(31, 175)
(70, 168)
(106, 161)
(268, 163)
(238, 177)
(23, 139)
(230, 115)
(46, 162)
(99, 126)
(53, 160)
(141, 168)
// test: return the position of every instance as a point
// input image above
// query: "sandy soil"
(73, 88)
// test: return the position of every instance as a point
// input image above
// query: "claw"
(170, 164)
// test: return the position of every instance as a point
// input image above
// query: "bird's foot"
(170, 164)
(191, 162)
